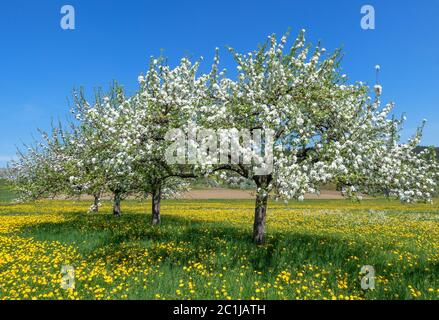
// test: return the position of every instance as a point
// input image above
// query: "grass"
(203, 250)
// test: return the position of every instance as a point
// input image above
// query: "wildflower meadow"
(315, 250)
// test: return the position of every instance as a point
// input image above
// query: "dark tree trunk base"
(116, 206)
(96, 204)
(260, 215)
(156, 198)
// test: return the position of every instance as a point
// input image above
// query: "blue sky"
(40, 63)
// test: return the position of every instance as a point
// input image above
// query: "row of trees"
(325, 130)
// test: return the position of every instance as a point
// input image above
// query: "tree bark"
(96, 203)
(262, 183)
(156, 198)
(116, 205)
(260, 214)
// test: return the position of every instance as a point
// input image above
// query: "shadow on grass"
(103, 235)
(181, 240)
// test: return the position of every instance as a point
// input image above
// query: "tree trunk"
(262, 183)
(260, 214)
(96, 203)
(156, 198)
(116, 205)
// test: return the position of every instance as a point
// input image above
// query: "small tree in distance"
(39, 171)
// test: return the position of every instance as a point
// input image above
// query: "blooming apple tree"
(324, 128)
(42, 169)
(106, 161)
(168, 98)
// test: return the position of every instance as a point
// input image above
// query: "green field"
(203, 250)
(6, 194)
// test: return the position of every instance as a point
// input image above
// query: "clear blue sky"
(40, 63)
